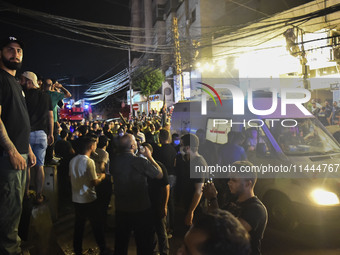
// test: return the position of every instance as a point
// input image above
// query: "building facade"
(189, 37)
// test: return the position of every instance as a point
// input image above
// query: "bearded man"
(14, 145)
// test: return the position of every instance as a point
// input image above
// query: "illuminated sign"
(156, 97)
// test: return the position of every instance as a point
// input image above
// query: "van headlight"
(323, 197)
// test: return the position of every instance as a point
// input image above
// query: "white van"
(311, 194)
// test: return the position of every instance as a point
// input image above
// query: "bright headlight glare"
(323, 197)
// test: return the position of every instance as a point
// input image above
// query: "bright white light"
(221, 62)
(206, 66)
(198, 65)
(238, 63)
(323, 197)
(266, 63)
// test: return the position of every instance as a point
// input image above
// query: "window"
(193, 16)
(306, 138)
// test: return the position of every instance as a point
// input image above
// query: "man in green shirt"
(55, 98)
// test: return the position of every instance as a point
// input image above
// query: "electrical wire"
(111, 36)
(71, 22)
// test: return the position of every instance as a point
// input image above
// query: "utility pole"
(295, 51)
(178, 55)
(130, 83)
(303, 62)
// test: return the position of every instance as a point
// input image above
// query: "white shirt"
(82, 172)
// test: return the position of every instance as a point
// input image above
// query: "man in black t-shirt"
(64, 150)
(166, 154)
(159, 191)
(328, 111)
(40, 112)
(207, 148)
(14, 145)
(247, 208)
(192, 186)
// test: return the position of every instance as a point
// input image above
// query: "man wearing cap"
(40, 112)
(14, 145)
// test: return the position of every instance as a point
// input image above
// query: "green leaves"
(147, 80)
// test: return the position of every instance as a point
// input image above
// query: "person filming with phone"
(132, 201)
(249, 210)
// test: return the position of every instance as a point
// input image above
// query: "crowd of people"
(149, 173)
(327, 113)
(139, 161)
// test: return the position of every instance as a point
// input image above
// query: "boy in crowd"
(83, 180)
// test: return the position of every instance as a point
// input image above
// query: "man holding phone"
(133, 205)
(247, 208)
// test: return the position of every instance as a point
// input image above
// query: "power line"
(72, 25)
(249, 8)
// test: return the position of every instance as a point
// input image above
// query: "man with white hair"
(40, 112)
(132, 200)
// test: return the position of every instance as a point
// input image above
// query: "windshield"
(306, 138)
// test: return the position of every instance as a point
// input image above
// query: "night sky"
(57, 58)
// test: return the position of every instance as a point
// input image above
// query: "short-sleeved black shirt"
(166, 155)
(63, 149)
(14, 113)
(156, 186)
(38, 105)
(255, 214)
(188, 183)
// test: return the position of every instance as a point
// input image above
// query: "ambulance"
(306, 190)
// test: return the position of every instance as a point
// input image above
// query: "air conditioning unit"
(333, 38)
(335, 54)
(168, 92)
